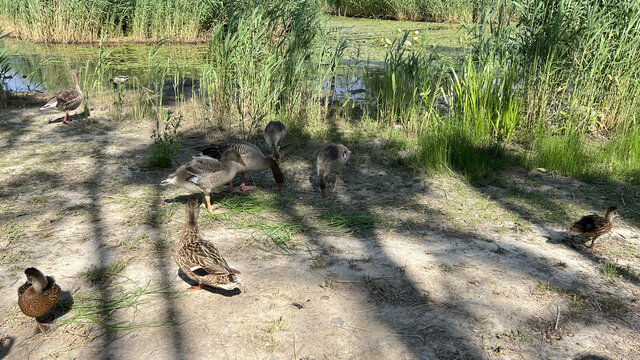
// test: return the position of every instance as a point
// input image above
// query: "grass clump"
(351, 222)
(105, 274)
(167, 141)
(613, 271)
(276, 236)
(91, 309)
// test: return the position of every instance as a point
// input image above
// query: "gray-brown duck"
(66, 100)
(202, 174)
(254, 160)
(331, 159)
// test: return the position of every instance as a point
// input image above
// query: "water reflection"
(47, 66)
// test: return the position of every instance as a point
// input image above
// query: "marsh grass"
(167, 141)
(533, 92)
(417, 10)
(5, 68)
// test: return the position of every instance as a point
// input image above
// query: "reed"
(563, 91)
(266, 61)
(5, 68)
(417, 10)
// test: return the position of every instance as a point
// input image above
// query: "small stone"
(337, 321)
(298, 305)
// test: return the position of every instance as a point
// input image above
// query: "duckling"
(273, 133)
(254, 161)
(331, 159)
(37, 296)
(205, 173)
(199, 259)
(593, 226)
(66, 100)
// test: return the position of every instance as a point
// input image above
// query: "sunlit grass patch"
(614, 271)
(87, 308)
(350, 222)
(256, 202)
(276, 236)
(105, 274)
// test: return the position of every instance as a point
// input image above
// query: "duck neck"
(39, 285)
(277, 172)
(192, 218)
(609, 216)
(75, 81)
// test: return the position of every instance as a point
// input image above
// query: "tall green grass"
(5, 68)
(84, 20)
(182, 20)
(64, 21)
(418, 10)
(560, 81)
(265, 61)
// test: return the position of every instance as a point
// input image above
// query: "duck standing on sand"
(202, 174)
(66, 100)
(199, 259)
(38, 295)
(593, 226)
(331, 159)
(254, 160)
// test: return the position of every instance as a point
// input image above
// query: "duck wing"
(587, 224)
(201, 166)
(216, 150)
(204, 259)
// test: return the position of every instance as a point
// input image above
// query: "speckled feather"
(253, 158)
(198, 258)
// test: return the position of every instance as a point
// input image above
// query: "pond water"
(46, 67)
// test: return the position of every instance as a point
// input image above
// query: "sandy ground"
(396, 265)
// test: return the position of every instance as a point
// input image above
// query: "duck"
(66, 100)
(331, 159)
(254, 160)
(273, 133)
(118, 80)
(199, 259)
(37, 296)
(205, 173)
(593, 226)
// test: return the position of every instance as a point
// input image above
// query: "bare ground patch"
(394, 265)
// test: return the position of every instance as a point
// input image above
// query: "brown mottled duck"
(199, 259)
(37, 296)
(593, 226)
(273, 134)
